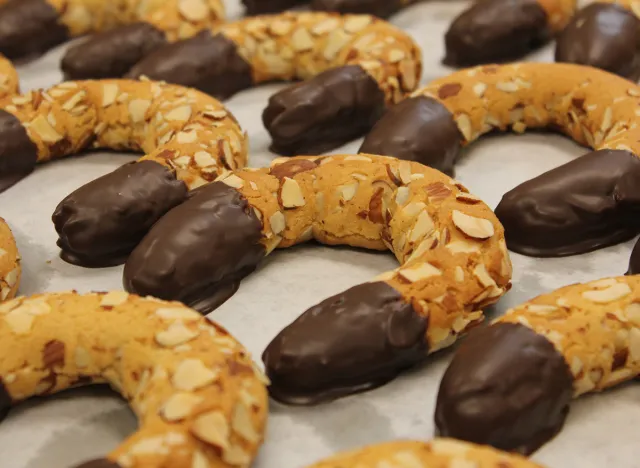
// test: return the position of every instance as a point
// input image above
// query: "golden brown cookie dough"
(9, 263)
(199, 398)
(510, 384)
(440, 453)
(450, 245)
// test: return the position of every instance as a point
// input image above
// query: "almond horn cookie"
(199, 399)
(510, 384)
(354, 66)
(29, 28)
(504, 30)
(380, 8)
(588, 203)
(450, 246)
(188, 138)
(10, 269)
(438, 453)
(604, 35)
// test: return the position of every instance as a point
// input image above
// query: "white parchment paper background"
(59, 432)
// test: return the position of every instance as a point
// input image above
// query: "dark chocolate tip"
(5, 401)
(496, 31)
(198, 252)
(418, 129)
(262, 7)
(380, 8)
(99, 463)
(209, 63)
(507, 387)
(324, 112)
(111, 54)
(586, 204)
(351, 342)
(605, 36)
(28, 28)
(18, 154)
(101, 222)
(634, 261)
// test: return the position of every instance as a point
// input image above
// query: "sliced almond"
(610, 294)
(478, 228)
(424, 226)
(348, 191)
(462, 246)
(109, 94)
(193, 10)
(204, 159)
(459, 274)
(179, 406)
(242, 425)
(192, 374)
(114, 298)
(301, 40)
(356, 23)
(480, 272)
(186, 137)
(19, 322)
(402, 195)
(41, 126)
(291, 194)
(212, 428)
(175, 335)
(138, 109)
(278, 222)
(82, 357)
(179, 114)
(233, 181)
(423, 271)
(412, 209)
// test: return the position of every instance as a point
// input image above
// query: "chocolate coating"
(324, 112)
(507, 387)
(496, 31)
(102, 221)
(111, 54)
(99, 463)
(380, 8)
(586, 204)
(28, 28)
(605, 36)
(5, 401)
(198, 252)
(18, 154)
(418, 129)
(209, 63)
(351, 342)
(634, 261)
(261, 7)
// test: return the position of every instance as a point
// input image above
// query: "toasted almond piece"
(462, 246)
(41, 126)
(412, 209)
(356, 23)
(193, 10)
(424, 226)
(109, 93)
(423, 271)
(204, 159)
(459, 274)
(291, 194)
(178, 313)
(19, 322)
(114, 298)
(186, 137)
(212, 428)
(138, 109)
(612, 293)
(404, 170)
(242, 425)
(480, 272)
(179, 114)
(402, 195)
(192, 374)
(175, 335)
(233, 181)
(179, 406)
(82, 357)
(348, 191)
(278, 222)
(301, 40)
(478, 228)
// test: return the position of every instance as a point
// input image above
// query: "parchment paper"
(58, 432)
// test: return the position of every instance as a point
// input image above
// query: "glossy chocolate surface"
(634, 261)
(5, 401)
(111, 54)
(380, 8)
(261, 7)
(198, 252)
(99, 463)
(586, 204)
(351, 342)
(101, 222)
(209, 63)
(324, 112)
(496, 31)
(18, 154)
(418, 129)
(605, 36)
(507, 387)
(28, 28)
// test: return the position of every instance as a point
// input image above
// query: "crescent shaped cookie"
(605, 35)
(354, 66)
(504, 30)
(566, 211)
(510, 384)
(188, 138)
(199, 398)
(32, 27)
(450, 245)
(440, 453)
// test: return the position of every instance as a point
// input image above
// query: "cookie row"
(583, 205)
(450, 246)
(354, 66)
(198, 396)
(510, 384)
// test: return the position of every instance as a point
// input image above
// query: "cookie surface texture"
(578, 339)
(198, 397)
(9, 83)
(441, 453)
(10, 270)
(450, 244)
